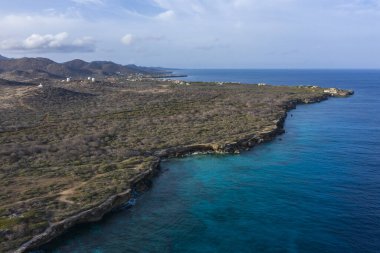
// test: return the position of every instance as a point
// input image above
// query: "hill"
(3, 58)
(4, 82)
(35, 68)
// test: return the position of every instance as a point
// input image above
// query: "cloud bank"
(127, 39)
(198, 33)
(50, 43)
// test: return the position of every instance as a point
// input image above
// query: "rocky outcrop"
(93, 214)
(266, 134)
(334, 92)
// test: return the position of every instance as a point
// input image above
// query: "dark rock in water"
(132, 202)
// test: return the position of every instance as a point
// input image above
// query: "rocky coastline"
(143, 180)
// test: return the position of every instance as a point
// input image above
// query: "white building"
(331, 91)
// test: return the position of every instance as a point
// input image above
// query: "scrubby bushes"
(87, 141)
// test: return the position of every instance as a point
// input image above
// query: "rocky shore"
(142, 181)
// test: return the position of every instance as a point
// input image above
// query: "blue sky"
(196, 33)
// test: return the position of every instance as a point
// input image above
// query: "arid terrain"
(68, 147)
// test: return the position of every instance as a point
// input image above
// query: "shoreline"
(143, 180)
(169, 76)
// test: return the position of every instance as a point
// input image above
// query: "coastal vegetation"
(67, 147)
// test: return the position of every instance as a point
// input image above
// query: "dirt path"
(64, 195)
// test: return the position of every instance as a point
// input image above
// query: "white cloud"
(44, 41)
(89, 2)
(127, 39)
(184, 29)
(86, 41)
(166, 15)
(184, 7)
(130, 39)
(50, 43)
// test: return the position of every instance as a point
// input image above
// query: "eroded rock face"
(57, 229)
(141, 181)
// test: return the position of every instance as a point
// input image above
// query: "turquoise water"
(314, 189)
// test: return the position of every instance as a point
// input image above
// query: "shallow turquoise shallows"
(314, 189)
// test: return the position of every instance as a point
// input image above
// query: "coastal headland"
(71, 151)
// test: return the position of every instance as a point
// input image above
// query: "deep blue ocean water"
(314, 189)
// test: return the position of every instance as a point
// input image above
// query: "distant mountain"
(31, 68)
(3, 58)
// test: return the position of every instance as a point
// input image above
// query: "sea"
(315, 188)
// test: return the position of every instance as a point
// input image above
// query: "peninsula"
(72, 149)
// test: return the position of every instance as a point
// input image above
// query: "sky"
(196, 33)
